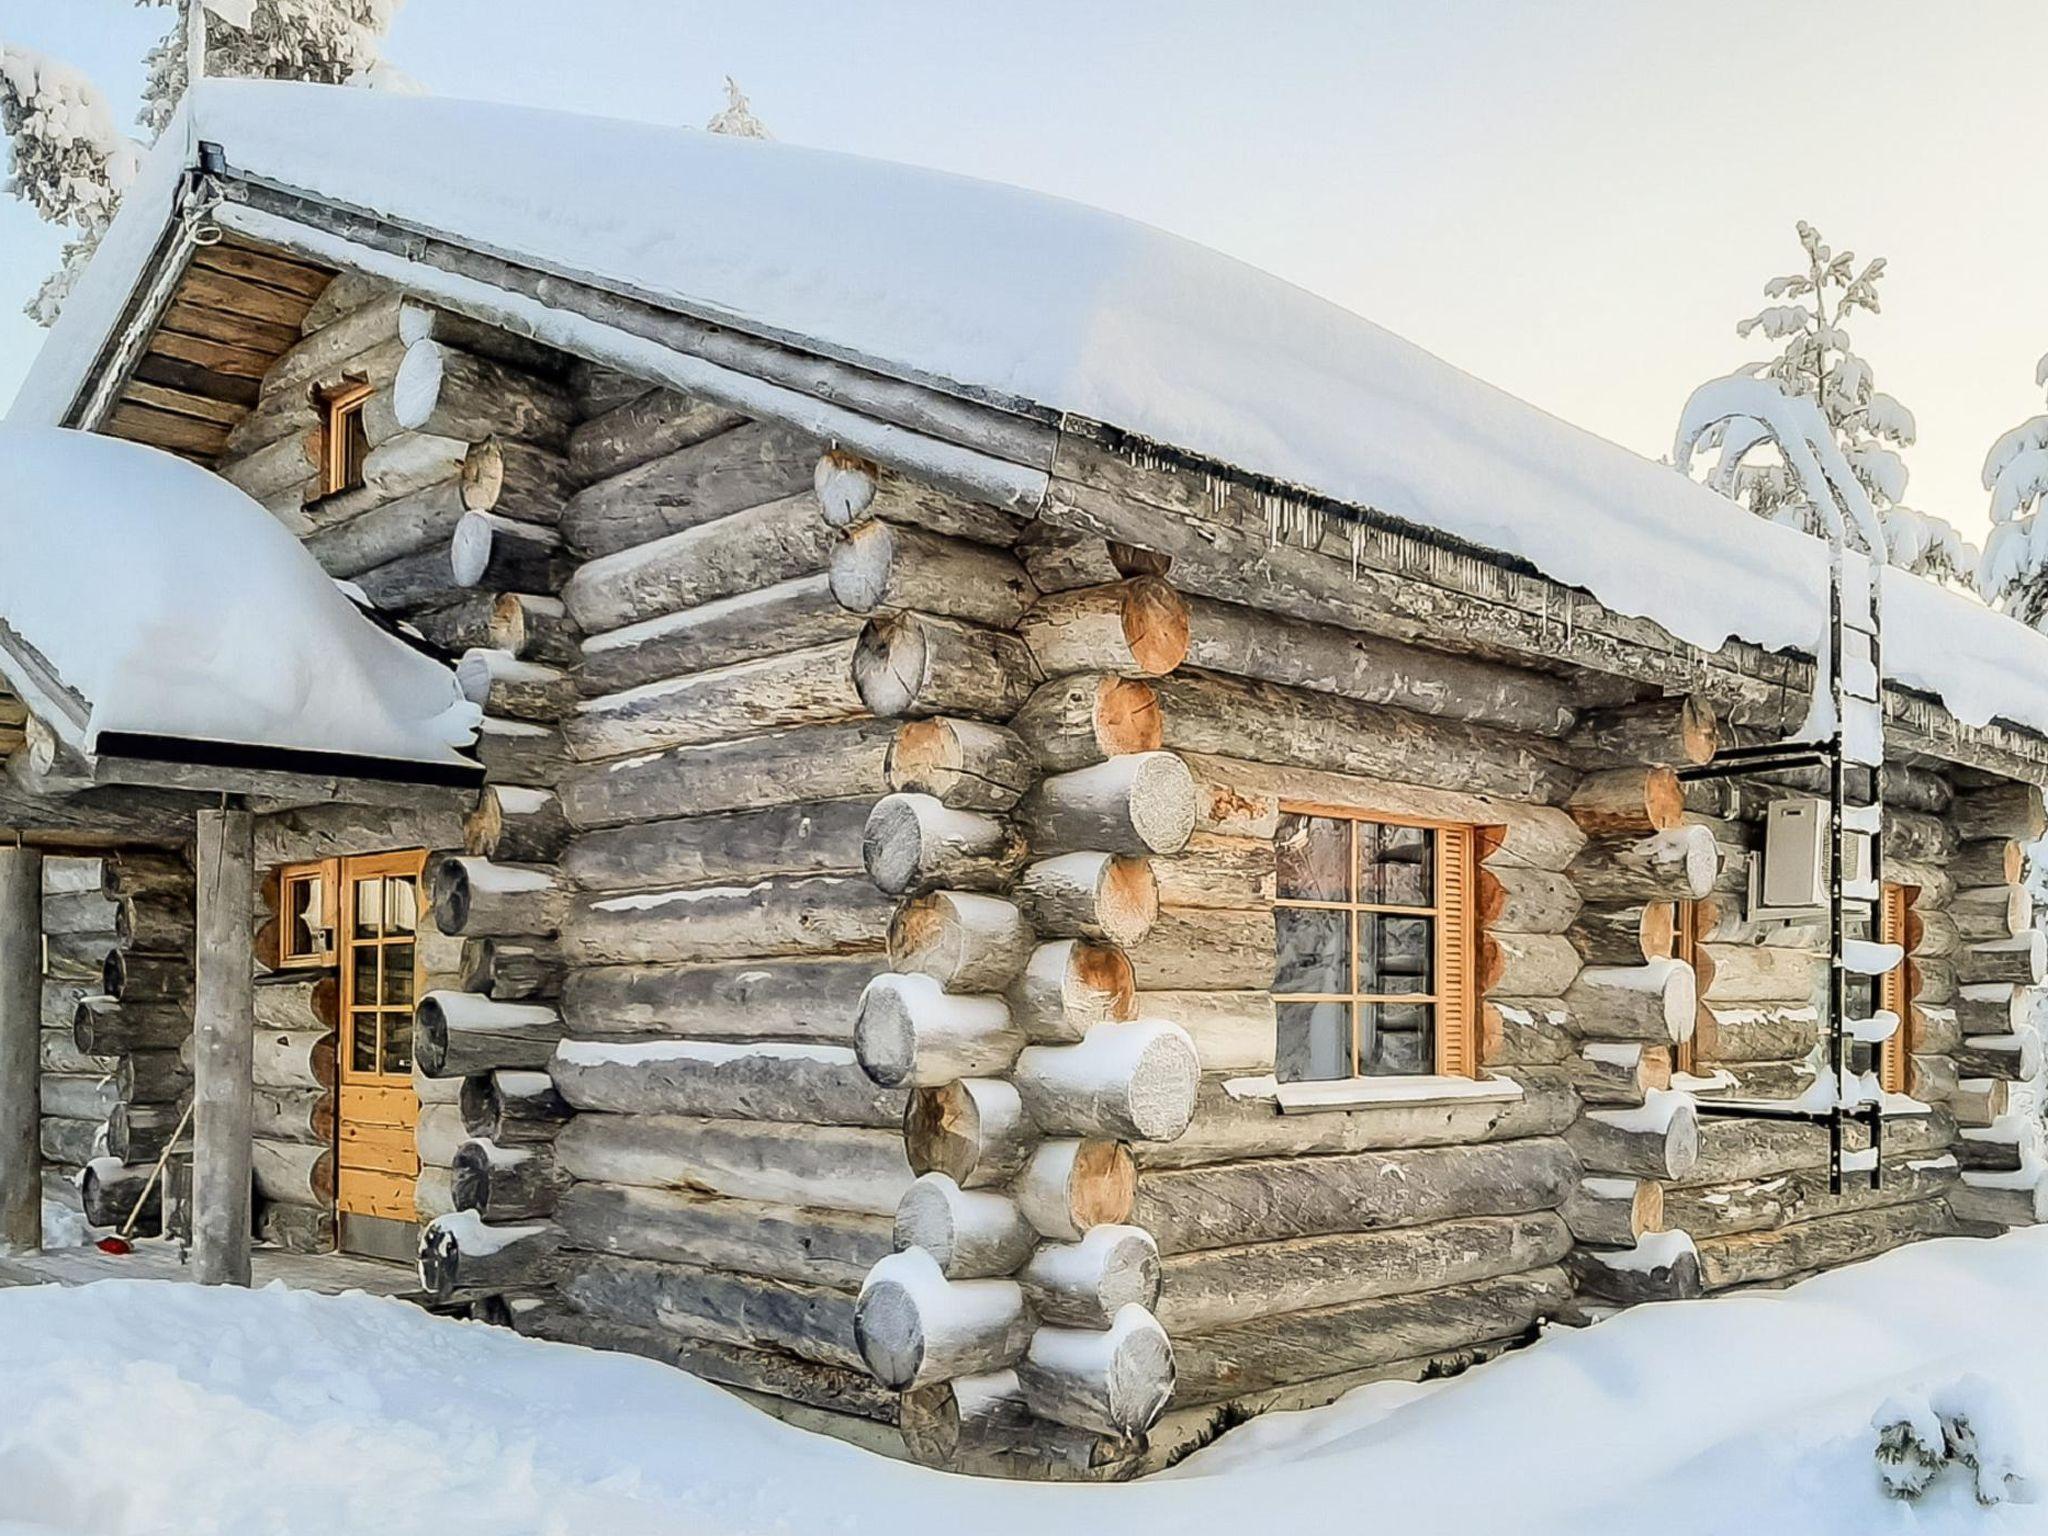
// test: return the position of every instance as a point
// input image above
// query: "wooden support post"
(223, 1037)
(21, 1010)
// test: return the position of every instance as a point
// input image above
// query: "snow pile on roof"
(173, 605)
(1021, 298)
(1749, 1413)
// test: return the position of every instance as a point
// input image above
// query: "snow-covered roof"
(1016, 298)
(166, 604)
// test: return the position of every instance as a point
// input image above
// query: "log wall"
(865, 945)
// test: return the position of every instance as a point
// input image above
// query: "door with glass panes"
(378, 1165)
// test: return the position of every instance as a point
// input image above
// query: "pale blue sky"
(1574, 199)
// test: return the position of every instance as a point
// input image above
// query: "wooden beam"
(160, 429)
(232, 330)
(223, 1037)
(266, 267)
(220, 356)
(21, 1007)
(179, 402)
(192, 379)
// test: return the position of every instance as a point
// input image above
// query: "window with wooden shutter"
(306, 914)
(1375, 972)
(1895, 987)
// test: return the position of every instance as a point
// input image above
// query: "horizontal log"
(840, 1168)
(1823, 1243)
(915, 843)
(809, 998)
(804, 687)
(812, 763)
(643, 428)
(814, 914)
(796, 614)
(299, 1058)
(1068, 1187)
(1136, 628)
(974, 1131)
(293, 1172)
(1230, 1031)
(1272, 1201)
(699, 482)
(1660, 1140)
(507, 1183)
(1116, 1381)
(965, 941)
(460, 1257)
(1086, 1284)
(1270, 1352)
(777, 1241)
(1068, 986)
(880, 565)
(1613, 1210)
(970, 1234)
(1133, 1082)
(1679, 864)
(908, 664)
(478, 898)
(457, 1033)
(1140, 803)
(914, 1326)
(1190, 949)
(1219, 1287)
(797, 1084)
(746, 551)
(1089, 896)
(806, 838)
(513, 824)
(909, 1032)
(1210, 714)
(1082, 719)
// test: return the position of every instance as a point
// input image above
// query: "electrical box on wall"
(1789, 877)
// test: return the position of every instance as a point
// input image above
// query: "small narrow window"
(345, 444)
(1374, 946)
(305, 908)
(1895, 988)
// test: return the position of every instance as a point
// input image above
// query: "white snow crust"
(176, 606)
(1748, 1413)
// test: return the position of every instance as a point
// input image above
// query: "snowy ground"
(134, 1406)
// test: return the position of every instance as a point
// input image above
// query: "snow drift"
(176, 606)
(278, 1411)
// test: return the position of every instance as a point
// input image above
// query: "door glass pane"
(362, 965)
(1395, 866)
(401, 906)
(369, 908)
(398, 964)
(1314, 857)
(1314, 1042)
(1313, 950)
(1396, 1039)
(1394, 953)
(397, 1043)
(362, 1055)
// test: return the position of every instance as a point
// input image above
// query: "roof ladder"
(1851, 749)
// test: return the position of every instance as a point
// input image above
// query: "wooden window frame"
(324, 874)
(1454, 914)
(353, 871)
(1895, 989)
(343, 443)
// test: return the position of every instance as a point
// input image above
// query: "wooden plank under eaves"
(244, 362)
(188, 319)
(272, 271)
(179, 402)
(244, 300)
(192, 378)
(161, 429)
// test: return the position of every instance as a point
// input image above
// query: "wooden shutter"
(1457, 1009)
(1892, 989)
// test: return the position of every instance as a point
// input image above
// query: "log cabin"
(1074, 844)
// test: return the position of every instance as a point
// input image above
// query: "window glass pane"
(1396, 1039)
(362, 1055)
(1396, 865)
(1314, 858)
(362, 966)
(302, 900)
(1314, 1042)
(369, 908)
(1395, 954)
(401, 906)
(397, 1043)
(398, 964)
(1313, 950)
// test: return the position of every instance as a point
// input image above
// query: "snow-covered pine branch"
(2013, 573)
(332, 42)
(736, 117)
(1817, 363)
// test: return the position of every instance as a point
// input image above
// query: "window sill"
(1375, 1092)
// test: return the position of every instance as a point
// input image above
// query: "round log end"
(482, 828)
(1681, 1142)
(114, 973)
(1100, 984)
(430, 1037)
(478, 1101)
(1165, 1077)
(892, 844)
(888, 1327)
(1103, 1188)
(1127, 716)
(469, 1177)
(1155, 625)
(885, 1029)
(483, 475)
(1162, 802)
(449, 895)
(469, 552)
(845, 485)
(1699, 731)
(941, 1131)
(889, 662)
(1127, 900)
(473, 674)
(859, 574)
(417, 388)
(1680, 991)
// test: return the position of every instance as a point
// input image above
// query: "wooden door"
(378, 910)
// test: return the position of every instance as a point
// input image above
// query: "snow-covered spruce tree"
(2013, 575)
(71, 163)
(736, 117)
(1808, 313)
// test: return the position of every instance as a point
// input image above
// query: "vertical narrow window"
(1895, 987)
(344, 441)
(1374, 943)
